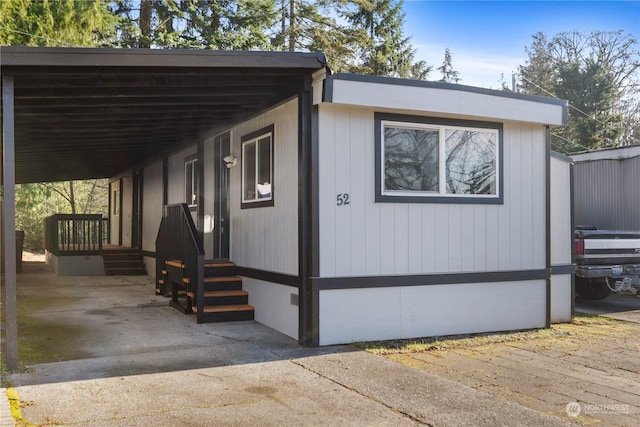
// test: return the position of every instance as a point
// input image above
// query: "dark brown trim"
(573, 226)
(8, 225)
(110, 213)
(165, 181)
(308, 309)
(135, 213)
(315, 193)
(150, 254)
(269, 276)
(548, 221)
(20, 56)
(364, 282)
(563, 269)
(120, 215)
(140, 208)
(442, 198)
(200, 192)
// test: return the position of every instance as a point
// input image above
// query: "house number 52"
(342, 199)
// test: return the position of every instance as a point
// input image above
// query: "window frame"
(116, 201)
(193, 162)
(245, 141)
(421, 122)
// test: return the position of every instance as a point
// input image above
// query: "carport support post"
(9, 226)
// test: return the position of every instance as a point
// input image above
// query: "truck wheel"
(592, 289)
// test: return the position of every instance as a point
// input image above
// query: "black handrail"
(178, 240)
(80, 234)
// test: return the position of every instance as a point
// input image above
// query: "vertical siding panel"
(538, 191)
(529, 157)
(455, 237)
(492, 237)
(416, 238)
(358, 208)
(515, 208)
(441, 240)
(503, 247)
(267, 238)
(373, 222)
(387, 238)
(631, 184)
(342, 177)
(479, 244)
(467, 233)
(327, 190)
(428, 236)
(402, 230)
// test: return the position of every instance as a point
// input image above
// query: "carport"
(75, 113)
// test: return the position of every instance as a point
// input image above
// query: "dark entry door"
(221, 197)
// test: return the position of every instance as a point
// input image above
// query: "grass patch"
(580, 324)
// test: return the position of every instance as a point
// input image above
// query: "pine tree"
(449, 75)
(385, 50)
(56, 23)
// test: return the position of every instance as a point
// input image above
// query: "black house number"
(342, 199)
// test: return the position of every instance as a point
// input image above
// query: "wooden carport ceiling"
(93, 113)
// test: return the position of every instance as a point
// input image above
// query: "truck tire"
(592, 289)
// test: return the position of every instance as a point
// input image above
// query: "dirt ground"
(594, 361)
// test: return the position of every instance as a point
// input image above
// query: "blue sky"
(487, 38)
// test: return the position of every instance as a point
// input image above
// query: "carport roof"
(85, 113)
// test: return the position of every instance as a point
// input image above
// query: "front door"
(221, 197)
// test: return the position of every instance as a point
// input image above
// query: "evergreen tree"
(385, 50)
(449, 75)
(597, 73)
(196, 24)
(56, 23)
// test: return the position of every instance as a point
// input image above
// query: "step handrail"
(179, 239)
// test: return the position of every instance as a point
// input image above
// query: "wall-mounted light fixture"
(231, 161)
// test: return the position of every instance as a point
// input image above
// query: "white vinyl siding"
(152, 206)
(365, 238)
(176, 175)
(267, 238)
(427, 311)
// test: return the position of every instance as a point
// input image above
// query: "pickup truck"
(606, 261)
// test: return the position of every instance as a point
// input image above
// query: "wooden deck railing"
(178, 240)
(68, 234)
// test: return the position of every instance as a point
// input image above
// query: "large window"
(191, 182)
(435, 160)
(257, 168)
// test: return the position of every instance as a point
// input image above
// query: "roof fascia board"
(618, 153)
(107, 57)
(438, 97)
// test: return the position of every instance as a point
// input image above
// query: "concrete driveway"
(105, 351)
(618, 306)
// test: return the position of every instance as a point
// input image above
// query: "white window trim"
(442, 172)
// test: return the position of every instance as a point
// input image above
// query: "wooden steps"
(224, 299)
(123, 261)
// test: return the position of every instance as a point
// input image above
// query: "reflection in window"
(410, 159)
(426, 160)
(471, 162)
(257, 164)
